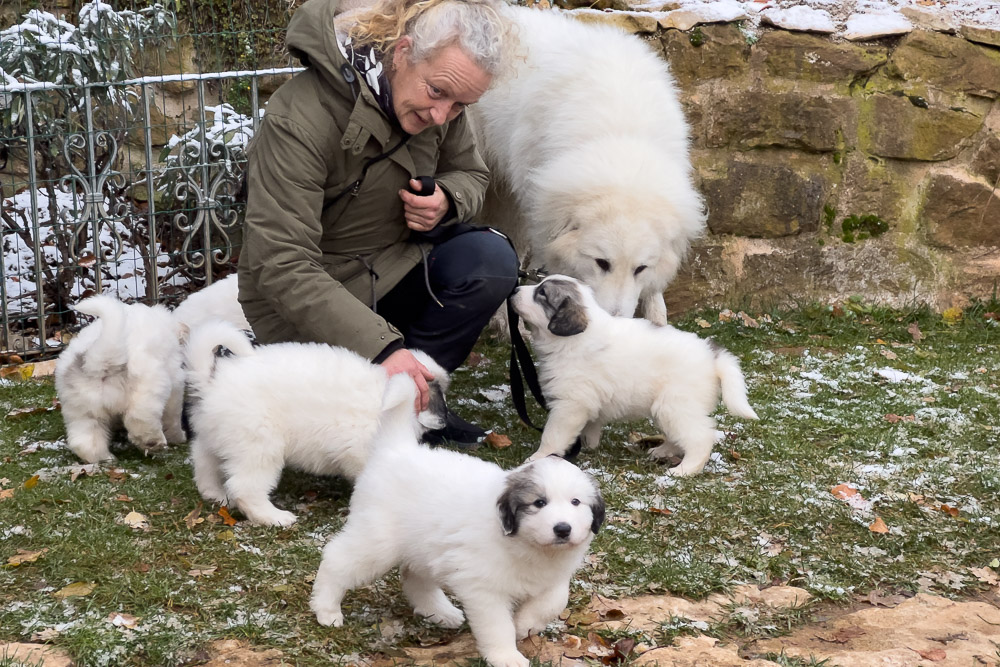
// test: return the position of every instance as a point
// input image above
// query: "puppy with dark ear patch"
(505, 544)
(595, 368)
(561, 301)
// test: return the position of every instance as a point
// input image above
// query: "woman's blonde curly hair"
(479, 27)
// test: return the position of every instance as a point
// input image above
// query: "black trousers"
(471, 274)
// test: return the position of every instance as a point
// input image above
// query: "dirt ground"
(888, 631)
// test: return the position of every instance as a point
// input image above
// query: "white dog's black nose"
(562, 530)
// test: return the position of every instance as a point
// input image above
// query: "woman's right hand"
(403, 361)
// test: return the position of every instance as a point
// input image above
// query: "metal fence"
(100, 192)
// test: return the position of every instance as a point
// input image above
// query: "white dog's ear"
(521, 491)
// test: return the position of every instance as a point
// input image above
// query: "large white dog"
(309, 406)
(595, 368)
(122, 369)
(588, 149)
(505, 544)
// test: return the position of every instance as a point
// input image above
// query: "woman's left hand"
(423, 212)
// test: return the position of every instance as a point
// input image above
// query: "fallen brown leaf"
(193, 517)
(888, 354)
(843, 635)
(877, 598)
(914, 331)
(498, 440)
(202, 570)
(24, 556)
(121, 497)
(660, 510)
(31, 482)
(227, 518)
(6, 493)
(612, 614)
(136, 520)
(843, 492)
(893, 419)
(932, 654)
(584, 617)
(949, 510)
(878, 526)
(20, 413)
(76, 590)
(120, 620)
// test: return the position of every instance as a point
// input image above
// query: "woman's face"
(433, 91)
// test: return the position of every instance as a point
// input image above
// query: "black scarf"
(368, 62)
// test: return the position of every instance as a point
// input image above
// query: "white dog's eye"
(540, 503)
(604, 264)
(639, 269)
(575, 501)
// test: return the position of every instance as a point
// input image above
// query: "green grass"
(820, 377)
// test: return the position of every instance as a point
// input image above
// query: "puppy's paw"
(329, 616)
(536, 456)
(513, 659)
(682, 471)
(275, 518)
(446, 618)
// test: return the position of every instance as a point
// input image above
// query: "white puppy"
(313, 407)
(595, 368)
(218, 301)
(588, 149)
(505, 544)
(124, 368)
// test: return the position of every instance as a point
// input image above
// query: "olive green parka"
(313, 244)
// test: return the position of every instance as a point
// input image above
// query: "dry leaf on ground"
(193, 517)
(933, 654)
(6, 493)
(498, 440)
(227, 518)
(136, 520)
(878, 526)
(120, 620)
(25, 556)
(843, 491)
(914, 331)
(202, 570)
(76, 590)
(31, 482)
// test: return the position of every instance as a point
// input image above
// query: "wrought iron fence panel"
(103, 208)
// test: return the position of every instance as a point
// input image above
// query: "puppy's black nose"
(562, 530)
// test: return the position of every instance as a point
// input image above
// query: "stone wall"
(793, 133)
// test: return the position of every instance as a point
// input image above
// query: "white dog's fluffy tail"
(734, 387)
(110, 348)
(201, 347)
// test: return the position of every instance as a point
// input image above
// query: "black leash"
(521, 363)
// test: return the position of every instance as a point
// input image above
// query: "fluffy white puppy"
(218, 301)
(595, 368)
(588, 149)
(122, 369)
(505, 544)
(309, 406)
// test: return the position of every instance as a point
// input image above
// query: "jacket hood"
(311, 38)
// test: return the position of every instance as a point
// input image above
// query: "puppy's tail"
(110, 348)
(734, 387)
(202, 346)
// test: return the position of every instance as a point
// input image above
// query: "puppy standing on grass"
(310, 406)
(124, 368)
(504, 543)
(595, 368)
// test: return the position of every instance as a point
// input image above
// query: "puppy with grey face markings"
(505, 544)
(595, 368)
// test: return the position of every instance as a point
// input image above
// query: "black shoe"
(457, 432)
